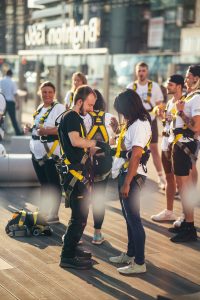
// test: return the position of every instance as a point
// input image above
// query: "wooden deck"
(29, 266)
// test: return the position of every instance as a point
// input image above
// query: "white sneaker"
(123, 258)
(133, 268)
(164, 215)
(178, 222)
(161, 183)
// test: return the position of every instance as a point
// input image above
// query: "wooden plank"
(13, 287)
(5, 295)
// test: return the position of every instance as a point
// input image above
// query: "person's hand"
(41, 131)
(114, 124)
(180, 105)
(104, 147)
(27, 128)
(93, 150)
(124, 191)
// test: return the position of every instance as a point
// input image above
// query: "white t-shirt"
(138, 134)
(142, 90)
(170, 112)
(191, 109)
(67, 99)
(36, 147)
(88, 123)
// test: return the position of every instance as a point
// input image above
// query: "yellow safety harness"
(149, 93)
(46, 139)
(23, 217)
(185, 127)
(76, 174)
(119, 149)
(185, 131)
(173, 112)
(66, 167)
(98, 125)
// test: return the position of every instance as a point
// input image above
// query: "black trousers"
(11, 109)
(79, 204)
(99, 202)
(50, 186)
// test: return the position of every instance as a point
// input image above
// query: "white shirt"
(8, 87)
(191, 109)
(138, 134)
(36, 147)
(88, 123)
(67, 99)
(142, 90)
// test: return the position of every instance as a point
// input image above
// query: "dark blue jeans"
(131, 212)
(99, 202)
(11, 109)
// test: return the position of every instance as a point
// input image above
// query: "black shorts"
(154, 128)
(167, 162)
(182, 163)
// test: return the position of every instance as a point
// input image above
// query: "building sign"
(155, 32)
(72, 35)
(190, 41)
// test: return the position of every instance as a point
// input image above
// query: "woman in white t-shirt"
(45, 149)
(135, 139)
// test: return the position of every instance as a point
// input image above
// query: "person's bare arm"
(192, 123)
(47, 131)
(80, 142)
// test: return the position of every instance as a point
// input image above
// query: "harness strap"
(187, 151)
(22, 218)
(51, 150)
(119, 144)
(35, 215)
(98, 124)
(149, 92)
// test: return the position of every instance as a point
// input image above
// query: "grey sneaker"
(132, 268)
(123, 258)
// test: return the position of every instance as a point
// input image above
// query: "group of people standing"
(73, 146)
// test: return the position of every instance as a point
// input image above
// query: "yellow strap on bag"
(22, 218)
(35, 215)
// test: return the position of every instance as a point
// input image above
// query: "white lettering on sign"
(35, 35)
(73, 34)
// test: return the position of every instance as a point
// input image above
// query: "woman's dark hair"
(100, 102)
(47, 83)
(129, 104)
(82, 93)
